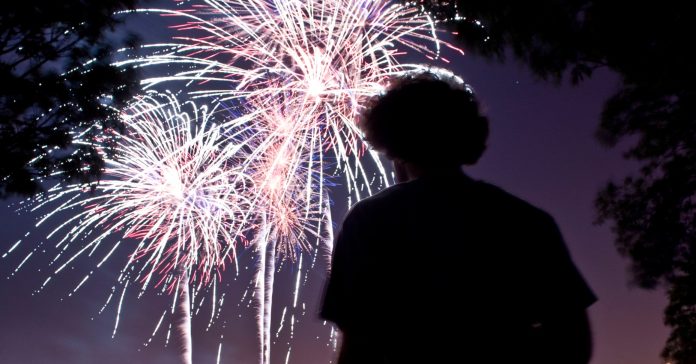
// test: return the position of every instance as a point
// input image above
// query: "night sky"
(541, 149)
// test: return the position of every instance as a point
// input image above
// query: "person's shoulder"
(391, 196)
(507, 203)
(379, 198)
(384, 199)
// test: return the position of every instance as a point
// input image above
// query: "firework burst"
(174, 193)
(303, 67)
(187, 190)
(325, 56)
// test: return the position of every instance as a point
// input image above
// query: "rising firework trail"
(304, 68)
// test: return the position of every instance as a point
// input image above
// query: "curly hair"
(426, 119)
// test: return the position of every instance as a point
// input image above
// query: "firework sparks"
(325, 56)
(172, 192)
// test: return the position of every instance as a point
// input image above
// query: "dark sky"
(541, 149)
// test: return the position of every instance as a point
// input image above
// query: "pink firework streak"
(302, 68)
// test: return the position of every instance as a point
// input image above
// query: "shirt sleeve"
(559, 284)
(339, 287)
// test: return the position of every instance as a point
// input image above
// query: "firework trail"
(303, 67)
(172, 193)
(183, 318)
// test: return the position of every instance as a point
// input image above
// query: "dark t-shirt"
(448, 267)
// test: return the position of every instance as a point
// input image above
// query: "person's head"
(427, 120)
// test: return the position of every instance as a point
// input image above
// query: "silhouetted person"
(442, 268)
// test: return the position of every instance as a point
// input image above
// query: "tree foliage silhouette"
(647, 45)
(57, 78)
